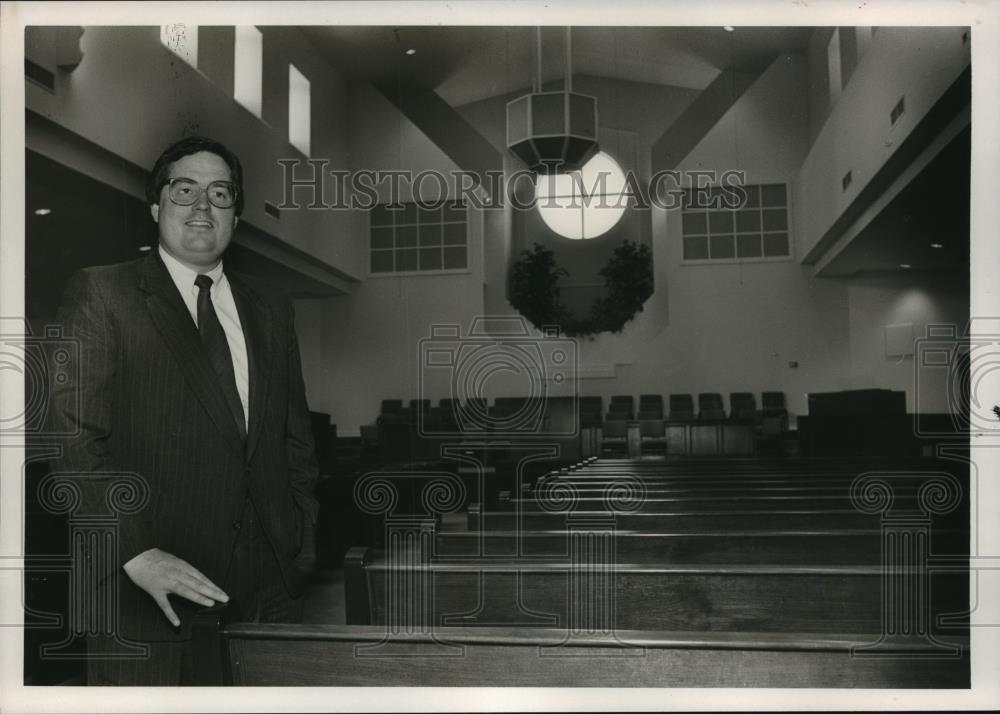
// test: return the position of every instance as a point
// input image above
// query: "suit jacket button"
(237, 525)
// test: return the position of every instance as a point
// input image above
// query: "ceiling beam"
(448, 129)
(700, 117)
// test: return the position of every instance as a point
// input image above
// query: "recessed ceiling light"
(411, 52)
(729, 28)
(937, 245)
(905, 266)
(145, 248)
(43, 211)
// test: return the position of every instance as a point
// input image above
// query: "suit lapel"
(257, 330)
(173, 321)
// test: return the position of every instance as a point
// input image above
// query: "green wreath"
(533, 290)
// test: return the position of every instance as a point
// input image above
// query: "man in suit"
(190, 378)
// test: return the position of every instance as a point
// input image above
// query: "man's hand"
(161, 574)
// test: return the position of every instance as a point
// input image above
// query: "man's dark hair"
(159, 176)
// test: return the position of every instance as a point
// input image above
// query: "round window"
(586, 203)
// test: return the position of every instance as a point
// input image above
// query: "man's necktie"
(215, 341)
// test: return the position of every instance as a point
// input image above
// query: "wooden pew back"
(333, 656)
(587, 590)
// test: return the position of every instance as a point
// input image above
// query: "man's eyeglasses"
(185, 192)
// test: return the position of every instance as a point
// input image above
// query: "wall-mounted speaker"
(899, 340)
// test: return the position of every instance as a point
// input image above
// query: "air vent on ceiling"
(897, 111)
(39, 75)
(846, 181)
(272, 210)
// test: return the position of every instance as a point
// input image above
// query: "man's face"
(198, 234)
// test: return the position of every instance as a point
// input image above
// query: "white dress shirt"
(225, 309)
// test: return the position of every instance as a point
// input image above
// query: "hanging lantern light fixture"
(553, 132)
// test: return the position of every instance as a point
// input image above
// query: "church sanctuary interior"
(636, 356)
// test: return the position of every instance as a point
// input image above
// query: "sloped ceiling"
(462, 65)
(466, 64)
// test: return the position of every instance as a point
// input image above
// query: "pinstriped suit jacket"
(148, 402)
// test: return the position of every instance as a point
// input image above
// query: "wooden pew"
(591, 488)
(760, 463)
(749, 470)
(731, 502)
(726, 503)
(862, 546)
(687, 520)
(667, 480)
(660, 479)
(692, 596)
(640, 511)
(727, 557)
(328, 655)
(716, 479)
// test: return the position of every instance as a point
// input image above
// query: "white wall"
(819, 79)
(918, 62)
(919, 299)
(735, 327)
(369, 340)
